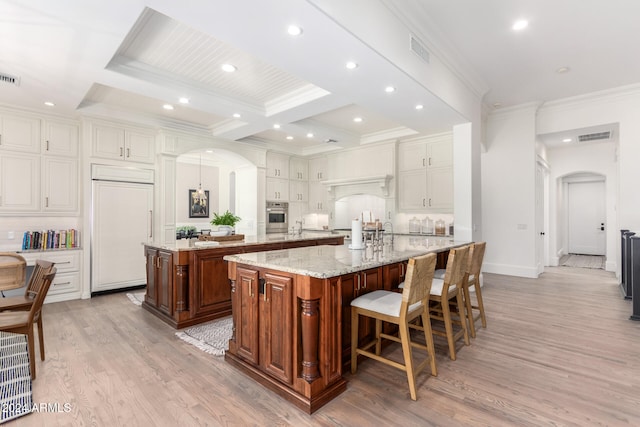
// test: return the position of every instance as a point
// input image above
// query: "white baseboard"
(611, 266)
(554, 261)
(511, 270)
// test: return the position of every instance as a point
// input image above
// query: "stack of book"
(50, 239)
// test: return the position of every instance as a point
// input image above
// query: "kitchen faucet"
(384, 227)
(299, 228)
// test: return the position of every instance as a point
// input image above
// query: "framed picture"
(198, 206)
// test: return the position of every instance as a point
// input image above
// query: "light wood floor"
(558, 350)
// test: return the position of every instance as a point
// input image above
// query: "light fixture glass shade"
(201, 194)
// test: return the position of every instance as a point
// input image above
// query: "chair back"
(418, 278)
(456, 269)
(476, 255)
(12, 270)
(41, 269)
(39, 292)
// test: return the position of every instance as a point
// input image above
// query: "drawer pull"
(61, 283)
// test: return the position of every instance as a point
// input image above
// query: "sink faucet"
(300, 227)
(384, 226)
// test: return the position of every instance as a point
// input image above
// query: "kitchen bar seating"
(476, 255)
(401, 310)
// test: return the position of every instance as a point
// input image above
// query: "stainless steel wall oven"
(277, 217)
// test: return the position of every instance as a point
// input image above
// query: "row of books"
(51, 239)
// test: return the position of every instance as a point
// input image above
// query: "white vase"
(227, 228)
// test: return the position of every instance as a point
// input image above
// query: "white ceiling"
(125, 59)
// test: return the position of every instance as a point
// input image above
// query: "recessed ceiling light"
(351, 65)
(294, 30)
(419, 107)
(389, 89)
(236, 115)
(167, 107)
(357, 119)
(183, 100)
(49, 104)
(228, 68)
(520, 25)
(563, 70)
(276, 126)
(309, 135)
(209, 151)
(289, 137)
(567, 140)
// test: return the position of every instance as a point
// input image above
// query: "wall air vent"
(418, 48)
(594, 136)
(6, 78)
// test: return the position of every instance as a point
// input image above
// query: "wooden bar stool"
(476, 255)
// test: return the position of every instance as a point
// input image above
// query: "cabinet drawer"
(65, 261)
(64, 284)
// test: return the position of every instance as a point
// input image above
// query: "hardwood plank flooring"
(559, 350)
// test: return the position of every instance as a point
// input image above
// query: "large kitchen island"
(187, 284)
(291, 311)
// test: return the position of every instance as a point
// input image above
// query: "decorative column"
(310, 326)
(182, 287)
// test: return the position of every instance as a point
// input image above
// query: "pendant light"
(201, 194)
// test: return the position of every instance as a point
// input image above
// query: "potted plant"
(226, 221)
(185, 231)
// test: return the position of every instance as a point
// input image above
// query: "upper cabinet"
(19, 133)
(19, 183)
(298, 169)
(425, 174)
(111, 142)
(318, 169)
(60, 138)
(277, 165)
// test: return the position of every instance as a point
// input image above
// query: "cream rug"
(211, 337)
(583, 261)
(137, 297)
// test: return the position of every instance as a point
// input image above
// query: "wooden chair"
(446, 294)
(12, 271)
(19, 303)
(400, 309)
(21, 322)
(476, 255)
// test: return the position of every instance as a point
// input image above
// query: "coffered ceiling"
(127, 59)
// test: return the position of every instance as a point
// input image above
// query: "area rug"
(136, 298)
(211, 337)
(583, 261)
(15, 377)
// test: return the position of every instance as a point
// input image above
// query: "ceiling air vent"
(6, 78)
(330, 140)
(418, 48)
(594, 136)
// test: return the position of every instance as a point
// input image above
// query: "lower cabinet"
(265, 337)
(66, 284)
(160, 279)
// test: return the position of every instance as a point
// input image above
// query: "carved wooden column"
(310, 326)
(182, 287)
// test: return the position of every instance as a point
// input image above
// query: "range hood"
(378, 185)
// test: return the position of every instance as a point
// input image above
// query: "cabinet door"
(276, 327)
(164, 277)
(412, 190)
(19, 182)
(277, 165)
(440, 153)
(61, 139)
(440, 189)
(214, 294)
(60, 184)
(412, 156)
(370, 280)
(277, 189)
(298, 169)
(139, 147)
(298, 191)
(107, 142)
(317, 197)
(318, 169)
(18, 133)
(348, 284)
(151, 296)
(246, 315)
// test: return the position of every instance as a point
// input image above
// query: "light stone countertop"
(188, 244)
(326, 261)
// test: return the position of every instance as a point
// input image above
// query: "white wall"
(597, 158)
(188, 177)
(508, 192)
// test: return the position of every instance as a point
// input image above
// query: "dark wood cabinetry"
(190, 286)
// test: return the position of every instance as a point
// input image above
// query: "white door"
(541, 240)
(122, 222)
(586, 214)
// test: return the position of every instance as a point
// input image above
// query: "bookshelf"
(47, 240)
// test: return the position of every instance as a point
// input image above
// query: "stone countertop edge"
(326, 261)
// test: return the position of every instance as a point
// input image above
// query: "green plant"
(186, 228)
(226, 218)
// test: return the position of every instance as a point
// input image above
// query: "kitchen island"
(188, 284)
(291, 311)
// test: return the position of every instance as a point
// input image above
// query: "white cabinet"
(60, 138)
(19, 133)
(298, 169)
(112, 142)
(277, 165)
(318, 197)
(277, 189)
(19, 182)
(318, 169)
(425, 175)
(66, 284)
(298, 191)
(60, 184)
